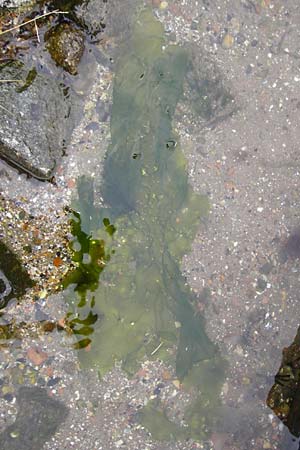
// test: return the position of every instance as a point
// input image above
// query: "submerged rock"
(284, 396)
(92, 15)
(95, 16)
(38, 418)
(206, 90)
(14, 280)
(35, 119)
(65, 44)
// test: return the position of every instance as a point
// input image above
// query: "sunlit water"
(128, 300)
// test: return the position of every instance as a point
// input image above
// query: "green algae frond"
(143, 302)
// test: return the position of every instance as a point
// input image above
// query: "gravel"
(247, 163)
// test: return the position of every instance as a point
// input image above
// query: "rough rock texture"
(14, 279)
(34, 120)
(284, 395)
(15, 3)
(113, 16)
(65, 44)
(38, 418)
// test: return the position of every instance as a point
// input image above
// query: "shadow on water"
(143, 306)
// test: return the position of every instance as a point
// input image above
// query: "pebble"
(176, 383)
(228, 41)
(36, 355)
(53, 381)
(163, 5)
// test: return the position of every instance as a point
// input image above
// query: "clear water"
(127, 299)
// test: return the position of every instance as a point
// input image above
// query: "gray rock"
(15, 3)
(38, 418)
(113, 17)
(35, 120)
(92, 14)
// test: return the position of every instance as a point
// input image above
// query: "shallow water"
(143, 304)
(183, 285)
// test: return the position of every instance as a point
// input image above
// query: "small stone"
(266, 444)
(261, 285)
(235, 25)
(194, 25)
(14, 434)
(176, 383)
(7, 390)
(53, 381)
(8, 397)
(228, 41)
(43, 294)
(166, 375)
(225, 388)
(163, 5)
(36, 355)
(239, 351)
(57, 261)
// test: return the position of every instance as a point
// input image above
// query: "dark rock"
(261, 285)
(13, 278)
(38, 419)
(8, 397)
(284, 396)
(65, 44)
(35, 123)
(53, 381)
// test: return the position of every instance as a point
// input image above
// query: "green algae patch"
(90, 256)
(151, 215)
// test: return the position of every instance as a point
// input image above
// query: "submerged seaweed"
(143, 303)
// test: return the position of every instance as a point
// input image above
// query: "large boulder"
(35, 119)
